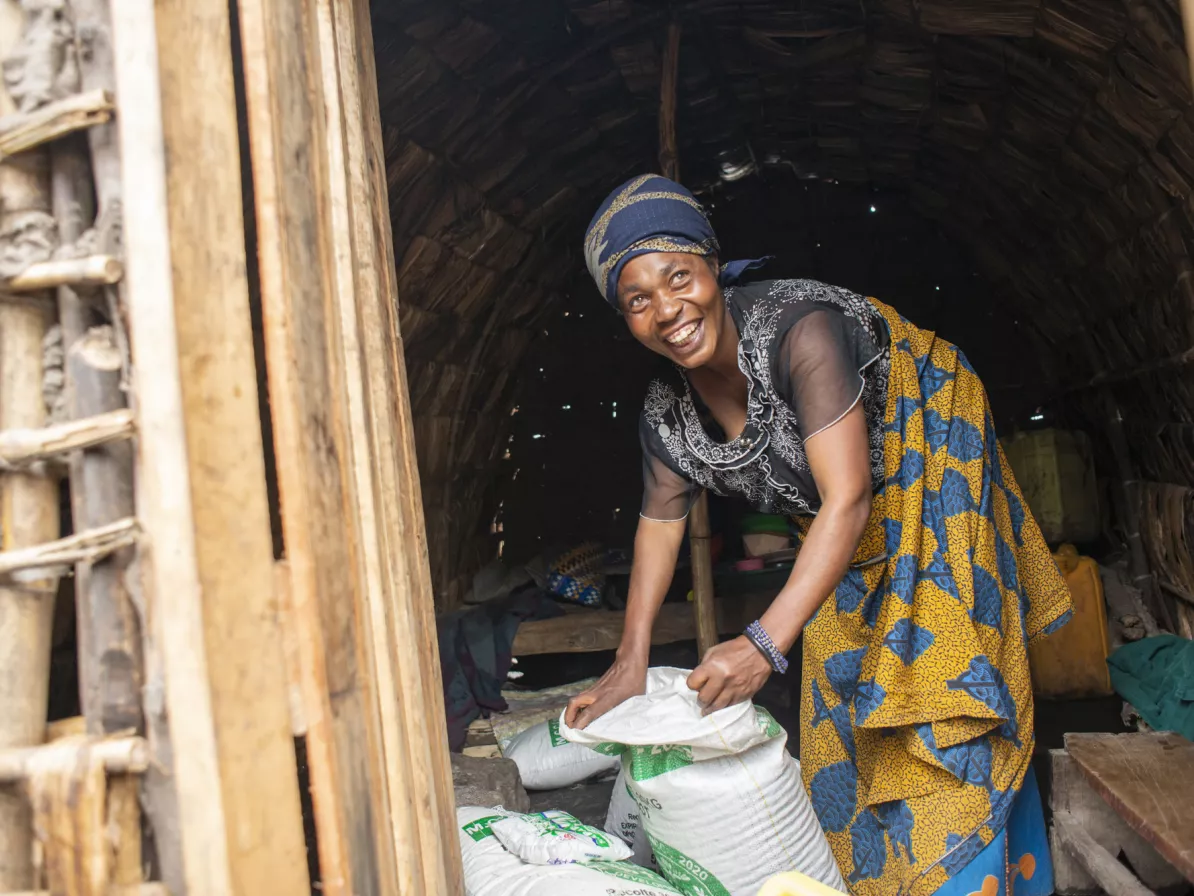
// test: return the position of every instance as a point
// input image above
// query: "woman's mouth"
(687, 338)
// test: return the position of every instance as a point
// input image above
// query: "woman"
(921, 575)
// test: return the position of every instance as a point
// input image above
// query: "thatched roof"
(1053, 136)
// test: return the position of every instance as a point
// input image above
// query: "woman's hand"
(730, 673)
(623, 680)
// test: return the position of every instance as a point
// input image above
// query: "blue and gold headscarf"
(649, 214)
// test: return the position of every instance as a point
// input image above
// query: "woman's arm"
(656, 547)
(839, 458)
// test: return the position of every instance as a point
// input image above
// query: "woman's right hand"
(623, 680)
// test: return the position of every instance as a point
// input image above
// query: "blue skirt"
(1016, 862)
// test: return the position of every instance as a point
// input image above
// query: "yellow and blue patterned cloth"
(917, 712)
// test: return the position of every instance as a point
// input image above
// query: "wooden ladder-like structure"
(128, 368)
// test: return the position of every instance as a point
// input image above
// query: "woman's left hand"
(730, 673)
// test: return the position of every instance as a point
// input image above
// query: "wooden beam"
(24, 131)
(208, 564)
(585, 631)
(1112, 877)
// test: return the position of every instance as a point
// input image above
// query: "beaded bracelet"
(757, 636)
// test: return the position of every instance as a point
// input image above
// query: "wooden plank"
(1115, 879)
(401, 614)
(201, 477)
(1136, 774)
(28, 500)
(195, 858)
(1070, 792)
(307, 382)
(704, 611)
(585, 631)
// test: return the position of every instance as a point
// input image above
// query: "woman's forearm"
(824, 557)
(656, 547)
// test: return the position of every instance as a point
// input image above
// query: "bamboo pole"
(22, 132)
(28, 500)
(87, 546)
(119, 756)
(24, 447)
(91, 270)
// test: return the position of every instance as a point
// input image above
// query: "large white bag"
(721, 800)
(623, 820)
(490, 870)
(557, 838)
(546, 760)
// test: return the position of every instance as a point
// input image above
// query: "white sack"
(547, 761)
(623, 820)
(491, 870)
(721, 800)
(557, 838)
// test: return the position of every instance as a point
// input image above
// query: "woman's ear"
(714, 264)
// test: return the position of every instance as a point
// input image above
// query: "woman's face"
(673, 305)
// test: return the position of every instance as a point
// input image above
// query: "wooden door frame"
(357, 573)
(336, 641)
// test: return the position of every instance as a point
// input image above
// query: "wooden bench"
(1123, 793)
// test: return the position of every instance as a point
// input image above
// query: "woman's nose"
(669, 309)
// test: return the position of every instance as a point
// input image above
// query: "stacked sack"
(718, 797)
(546, 854)
(548, 761)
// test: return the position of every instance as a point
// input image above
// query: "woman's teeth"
(684, 336)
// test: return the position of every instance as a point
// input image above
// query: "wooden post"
(698, 518)
(206, 553)
(669, 154)
(28, 499)
(702, 574)
(1187, 9)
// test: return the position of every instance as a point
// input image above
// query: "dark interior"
(1029, 163)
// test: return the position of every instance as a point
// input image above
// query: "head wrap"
(650, 214)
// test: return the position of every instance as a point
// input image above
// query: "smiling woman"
(920, 578)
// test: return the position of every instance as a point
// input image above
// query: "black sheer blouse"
(810, 352)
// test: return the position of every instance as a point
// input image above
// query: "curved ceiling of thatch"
(1052, 136)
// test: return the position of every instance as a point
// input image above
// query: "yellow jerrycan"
(793, 883)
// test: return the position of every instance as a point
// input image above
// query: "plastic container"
(1072, 662)
(765, 533)
(1055, 470)
(795, 884)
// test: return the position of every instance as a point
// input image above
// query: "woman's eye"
(637, 303)
(679, 277)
